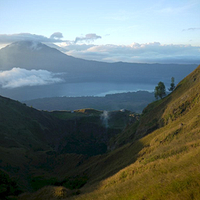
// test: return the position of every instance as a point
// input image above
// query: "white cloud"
(135, 52)
(72, 46)
(57, 35)
(18, 77)
(87, 38)
(10, 38)
(148, 52)
(54, 38)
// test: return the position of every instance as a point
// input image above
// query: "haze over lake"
(75, 90)
(101, 89)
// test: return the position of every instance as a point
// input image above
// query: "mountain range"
(31, 70)
(90, 154)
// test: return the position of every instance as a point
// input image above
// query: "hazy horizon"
(129, 31)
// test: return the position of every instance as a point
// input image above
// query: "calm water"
(100, 89)
(73, 90)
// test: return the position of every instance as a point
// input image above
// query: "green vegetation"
(8, 186)
(154, 156)
(172, 85)
(75, 182)
(160, 90)
(37, 145)
(167, 165)
(40, 181)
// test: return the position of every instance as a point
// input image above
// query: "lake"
(100, 89)
(74, 90)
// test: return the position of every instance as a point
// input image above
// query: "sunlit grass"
(47, 193)
(175, 177)
(163, 164)
(167, 167)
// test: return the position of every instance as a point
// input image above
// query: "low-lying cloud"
(18, 77)
(82, 47)
(148, 52)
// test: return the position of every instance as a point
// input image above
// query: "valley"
(100, 100)
(154, 155)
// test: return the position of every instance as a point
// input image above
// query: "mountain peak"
(28, 44)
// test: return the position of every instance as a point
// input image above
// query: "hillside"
(160, 161)
(154, 158)
(164, 163)
(41, 147)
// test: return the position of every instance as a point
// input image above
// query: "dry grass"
(161, 165)
(47, 193)
(162, 171)
(167, 167)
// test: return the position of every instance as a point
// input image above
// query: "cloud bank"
(54, 38)
(82, 47)
(148, 52)
(18, 77)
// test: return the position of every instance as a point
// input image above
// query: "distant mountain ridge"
(31, 55)
(35, 55)
(133, 101)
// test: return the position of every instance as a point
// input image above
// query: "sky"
(107, 30)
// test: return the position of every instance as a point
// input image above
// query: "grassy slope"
(30, 147)
(26, 138)
(160, 162)
(166, 165)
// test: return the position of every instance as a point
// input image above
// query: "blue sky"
(107, 30)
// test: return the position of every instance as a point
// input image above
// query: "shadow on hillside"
(95, 169)
(104, 166)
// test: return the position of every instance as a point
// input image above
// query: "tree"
(160, 90)
(172, 85)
